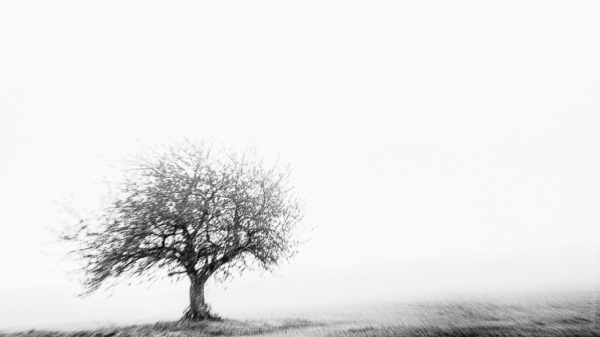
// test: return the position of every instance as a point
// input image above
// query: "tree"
(189, 212)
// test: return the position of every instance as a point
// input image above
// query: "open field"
(555, 317)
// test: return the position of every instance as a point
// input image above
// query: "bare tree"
(189, 212)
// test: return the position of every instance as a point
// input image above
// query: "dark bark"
(198, 309)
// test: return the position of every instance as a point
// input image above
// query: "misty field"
(550, 317)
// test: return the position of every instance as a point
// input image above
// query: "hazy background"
(443, 148)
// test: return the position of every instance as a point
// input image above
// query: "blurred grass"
(205, 328)
(556, 317)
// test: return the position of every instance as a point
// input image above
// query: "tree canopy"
(187, 210)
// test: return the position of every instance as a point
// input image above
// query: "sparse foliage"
(187, 211)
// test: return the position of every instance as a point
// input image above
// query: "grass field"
(568, 316)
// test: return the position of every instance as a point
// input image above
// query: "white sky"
(442, 147)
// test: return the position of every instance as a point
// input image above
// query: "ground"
(556, 317)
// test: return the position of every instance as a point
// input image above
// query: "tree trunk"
(198, 309)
